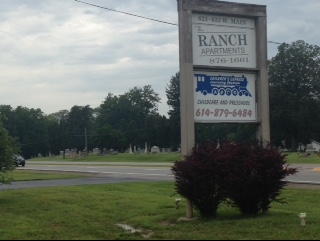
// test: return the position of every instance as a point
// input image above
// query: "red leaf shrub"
(257, 177)
(200, 177)
(247, 176)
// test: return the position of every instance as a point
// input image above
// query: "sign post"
(223, 68)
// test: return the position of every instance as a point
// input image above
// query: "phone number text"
(224, 113)
(229, 60)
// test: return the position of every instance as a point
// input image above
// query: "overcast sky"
(59, 53)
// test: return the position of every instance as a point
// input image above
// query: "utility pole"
(86, 141)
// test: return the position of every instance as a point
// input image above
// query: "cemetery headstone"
(310, 150)
(155, 149)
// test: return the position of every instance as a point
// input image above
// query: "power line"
(134, 15)
(272, 42)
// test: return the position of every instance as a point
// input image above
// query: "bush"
(200, 177)
(257, 176)
(246, 176)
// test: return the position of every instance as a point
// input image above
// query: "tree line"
(133, 117)
(130, 118)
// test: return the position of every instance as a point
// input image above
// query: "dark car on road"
(19, 160)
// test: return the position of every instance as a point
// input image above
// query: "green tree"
(173, 96)
(7, 116)
(7, 149)
(27, 127)
(225, 132)
(60, 115)
(129, 114)
(32, 132)
(58, 131)
(144, 100)
(294, 93)
(79, 119)
(158, 131)
(106, 137)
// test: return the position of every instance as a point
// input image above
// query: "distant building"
(316, 145)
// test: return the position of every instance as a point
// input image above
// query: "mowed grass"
(295, 158)
(93, 213)
(29, 175)
(121, 157)
(292, 158)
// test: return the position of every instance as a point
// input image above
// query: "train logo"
(222, 85)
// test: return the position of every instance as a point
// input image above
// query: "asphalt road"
(104, 173)
(98, 173)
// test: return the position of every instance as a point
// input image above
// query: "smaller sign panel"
(223, 41)
(224, 97)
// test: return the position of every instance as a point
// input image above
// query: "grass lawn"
(97, 211)
(122, 157)
(292, 158)
(94, 212)
(29, 175)
(295, 158)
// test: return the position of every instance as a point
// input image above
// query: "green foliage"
(294, 94)
(130, 118)
(107, 137)
(144, 100)
(133, 117)
(78, 120)
(28, 127)
(173, 96)
(7, 149)
(225, 132)
(247, 175)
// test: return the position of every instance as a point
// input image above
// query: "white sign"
(224, 97)
(223, 41)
